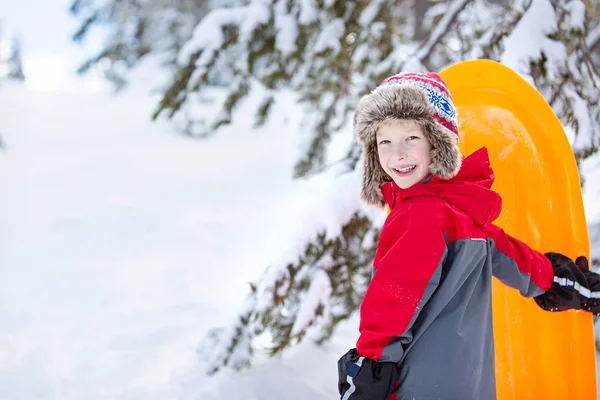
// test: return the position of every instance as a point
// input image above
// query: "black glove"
(575, 287)
(360, 378)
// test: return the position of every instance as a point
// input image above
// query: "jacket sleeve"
(408, 266)
(516, 265)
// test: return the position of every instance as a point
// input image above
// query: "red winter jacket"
(428, 306)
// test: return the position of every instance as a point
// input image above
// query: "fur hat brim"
(400, 102)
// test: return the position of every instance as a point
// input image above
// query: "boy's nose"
(399, 152)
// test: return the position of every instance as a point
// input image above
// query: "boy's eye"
(413, 137)
(384, 141)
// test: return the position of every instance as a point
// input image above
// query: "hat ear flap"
(446, 158)
(373, 176)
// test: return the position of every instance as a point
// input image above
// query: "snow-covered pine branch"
(135, 29)
(441, 29)
(332, 52)
(317, 282)
(548, 47)
(593, 38)
(319, 50)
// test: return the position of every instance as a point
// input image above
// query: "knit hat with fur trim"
(423, 98)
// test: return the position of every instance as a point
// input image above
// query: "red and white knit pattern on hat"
(442, 106)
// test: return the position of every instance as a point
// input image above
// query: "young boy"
(426, 319)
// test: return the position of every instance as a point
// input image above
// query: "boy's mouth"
(404, 170)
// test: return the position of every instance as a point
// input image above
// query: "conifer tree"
(14, 63)
(330, 53)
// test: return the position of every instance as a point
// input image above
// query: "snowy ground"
(122, 243)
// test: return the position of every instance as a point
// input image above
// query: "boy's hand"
(575, 287)
(360, 378)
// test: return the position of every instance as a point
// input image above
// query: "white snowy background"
(122, 243)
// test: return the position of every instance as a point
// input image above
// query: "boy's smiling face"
(404, 152)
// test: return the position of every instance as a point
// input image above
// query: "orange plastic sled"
(539, 355)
